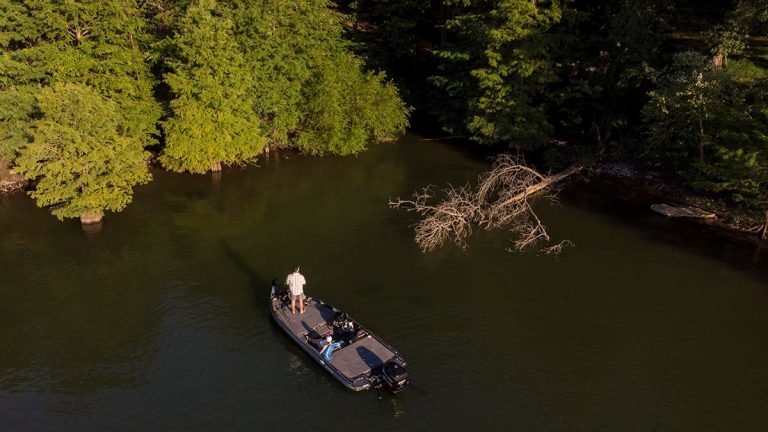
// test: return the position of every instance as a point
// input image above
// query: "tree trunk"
(764, 234)
(546, 182)
(599, 136)
(358, 9)
(499, 199)
(216, 167)
(701, 140)
(9, 180)
(719, 60)
(91, 218)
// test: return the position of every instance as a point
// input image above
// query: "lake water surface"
(160, 321)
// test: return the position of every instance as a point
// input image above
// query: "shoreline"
(636, 186)
(645, 187)
(10, 180)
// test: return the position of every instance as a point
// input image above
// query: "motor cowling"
(395, 376)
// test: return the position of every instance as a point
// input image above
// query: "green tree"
(96, 43)
(285, 42)
(82, 159)
(494, 73)
(308, 89)
(750, 16)
(607, 60)
(680, 110)
(212, 118)
(16, 107)
(346, 108)
(269, 72)
(712, 125)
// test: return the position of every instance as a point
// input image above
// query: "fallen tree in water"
(500, 199)
(682, 212)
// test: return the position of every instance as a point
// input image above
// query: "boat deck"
(313, 316)
(353, 360)
(361, 357)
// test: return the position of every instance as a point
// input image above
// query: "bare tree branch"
(499, 199)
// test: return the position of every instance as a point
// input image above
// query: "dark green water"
(160, 321)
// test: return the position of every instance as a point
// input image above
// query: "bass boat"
(357, 358)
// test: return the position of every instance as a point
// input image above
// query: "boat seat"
(360, 334)
(320, 331)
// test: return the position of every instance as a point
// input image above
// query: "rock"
(683, 212)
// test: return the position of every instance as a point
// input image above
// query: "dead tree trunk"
(701, 140)
(764, 233)
(544, 183)
(500, 199)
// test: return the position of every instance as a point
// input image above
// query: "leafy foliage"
(212, 118)
(236, 76)
(255, 73)
(344, 108)
(712, 124)
(495, 70)
(96, 43)
(86, 152)
(83, 160)
(607, 60)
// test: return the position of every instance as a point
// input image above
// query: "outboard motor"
(395, 376)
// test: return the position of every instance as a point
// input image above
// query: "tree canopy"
(201, 83)
(590, 79)
(212, 120)
(227, 78)
(82, 158)
(93, 52)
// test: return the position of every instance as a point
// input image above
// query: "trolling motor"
(281, 295)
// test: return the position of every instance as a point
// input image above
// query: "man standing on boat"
(296, 282)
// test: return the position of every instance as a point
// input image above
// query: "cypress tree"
(97, 43)
(308, 89)
(212, 120)
(93, 52)
(82, 158)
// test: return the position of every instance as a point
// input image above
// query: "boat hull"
(360, 361)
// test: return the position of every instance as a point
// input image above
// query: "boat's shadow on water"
(256, 282)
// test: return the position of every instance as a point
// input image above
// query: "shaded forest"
(90, 92)
(678, 87)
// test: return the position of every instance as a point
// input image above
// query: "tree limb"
(499, 199)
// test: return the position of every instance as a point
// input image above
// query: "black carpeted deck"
(313, 316)
(360, 357)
